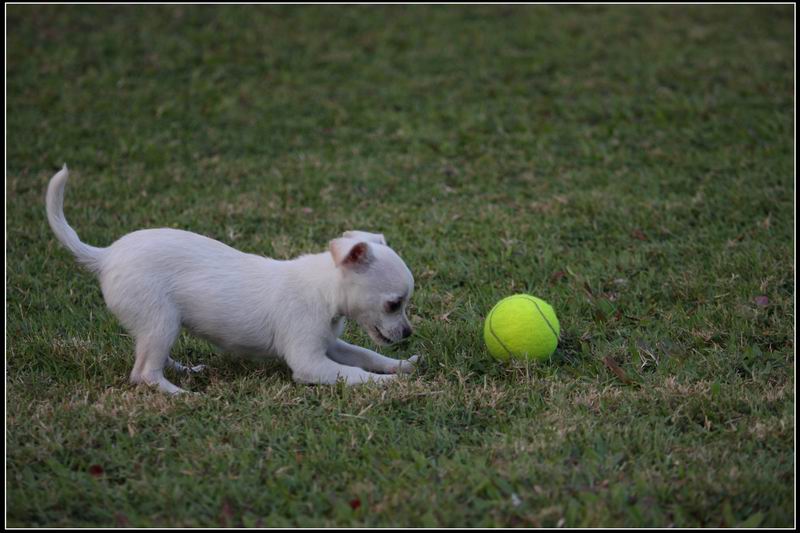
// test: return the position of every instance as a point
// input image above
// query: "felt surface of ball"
(521, 327)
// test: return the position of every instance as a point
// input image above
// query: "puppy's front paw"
(196, 369)
(407, 366)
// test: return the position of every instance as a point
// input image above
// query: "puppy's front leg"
(310, 364)
(348, 354)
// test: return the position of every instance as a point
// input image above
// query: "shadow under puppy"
(156, 281)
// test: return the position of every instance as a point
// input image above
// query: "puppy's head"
(376, 285)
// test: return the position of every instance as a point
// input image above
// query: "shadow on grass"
(226, 368)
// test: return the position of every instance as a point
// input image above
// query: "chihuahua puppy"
(156, 281)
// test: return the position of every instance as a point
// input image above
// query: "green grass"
(631, 165)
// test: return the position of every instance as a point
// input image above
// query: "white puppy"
(157, 280)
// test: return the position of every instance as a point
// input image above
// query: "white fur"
(158, 280)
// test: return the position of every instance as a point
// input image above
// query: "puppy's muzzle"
(394, 336)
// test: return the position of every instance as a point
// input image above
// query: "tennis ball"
(521, 327)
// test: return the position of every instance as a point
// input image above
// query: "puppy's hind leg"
(152, 354)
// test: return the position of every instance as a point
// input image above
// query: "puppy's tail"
(88, 256)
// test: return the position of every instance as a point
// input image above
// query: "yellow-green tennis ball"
(521, 327)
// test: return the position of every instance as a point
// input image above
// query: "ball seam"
(541, 313)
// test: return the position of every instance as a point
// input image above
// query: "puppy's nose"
(406, 331)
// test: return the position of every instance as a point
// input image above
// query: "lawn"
(631, 165)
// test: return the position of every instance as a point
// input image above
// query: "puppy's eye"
(393, 307)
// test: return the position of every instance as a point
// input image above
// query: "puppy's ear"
(377, 238)
(350, 253)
